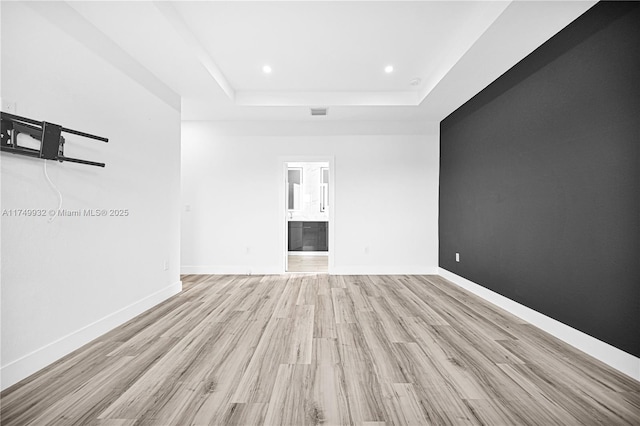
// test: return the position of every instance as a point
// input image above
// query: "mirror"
(294, 183)
(324, 188)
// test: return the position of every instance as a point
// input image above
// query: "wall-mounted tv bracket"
(49, 135)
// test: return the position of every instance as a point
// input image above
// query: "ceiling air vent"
(318, 111)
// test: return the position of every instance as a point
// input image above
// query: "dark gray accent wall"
(540, 179)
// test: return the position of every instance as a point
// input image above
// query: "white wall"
(68, 281)
(385, 200)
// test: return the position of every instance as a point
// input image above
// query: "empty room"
(320, 213)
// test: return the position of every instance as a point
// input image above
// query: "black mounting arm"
(49, 135)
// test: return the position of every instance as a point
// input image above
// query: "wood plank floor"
(324, 350)
(297, 263)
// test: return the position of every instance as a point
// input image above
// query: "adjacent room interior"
(267, 213)
(307, 213)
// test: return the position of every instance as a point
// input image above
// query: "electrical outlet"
(457, 257)
(166, 265)
(366, 250)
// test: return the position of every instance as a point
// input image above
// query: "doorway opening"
(308, 207)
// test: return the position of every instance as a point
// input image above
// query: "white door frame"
(282, 184)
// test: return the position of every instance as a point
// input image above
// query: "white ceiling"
(209, 55)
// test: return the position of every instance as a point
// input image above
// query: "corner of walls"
(610, 355)
(30, 363)
(67, 281)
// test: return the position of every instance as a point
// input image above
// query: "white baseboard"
(23, 367)
(336, 270)
(230, 270)
(384, 270)
(610, 355)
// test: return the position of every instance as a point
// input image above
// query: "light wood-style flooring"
(304, 263)
(324, 350)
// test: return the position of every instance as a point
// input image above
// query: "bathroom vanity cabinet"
(308, 236)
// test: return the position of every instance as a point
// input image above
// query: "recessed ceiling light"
(415, 82)
(266, 69)
(388, 69)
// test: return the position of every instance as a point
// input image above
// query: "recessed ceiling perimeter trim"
(490, 12)
(260, 98)
(173, 17)
(69, 20)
